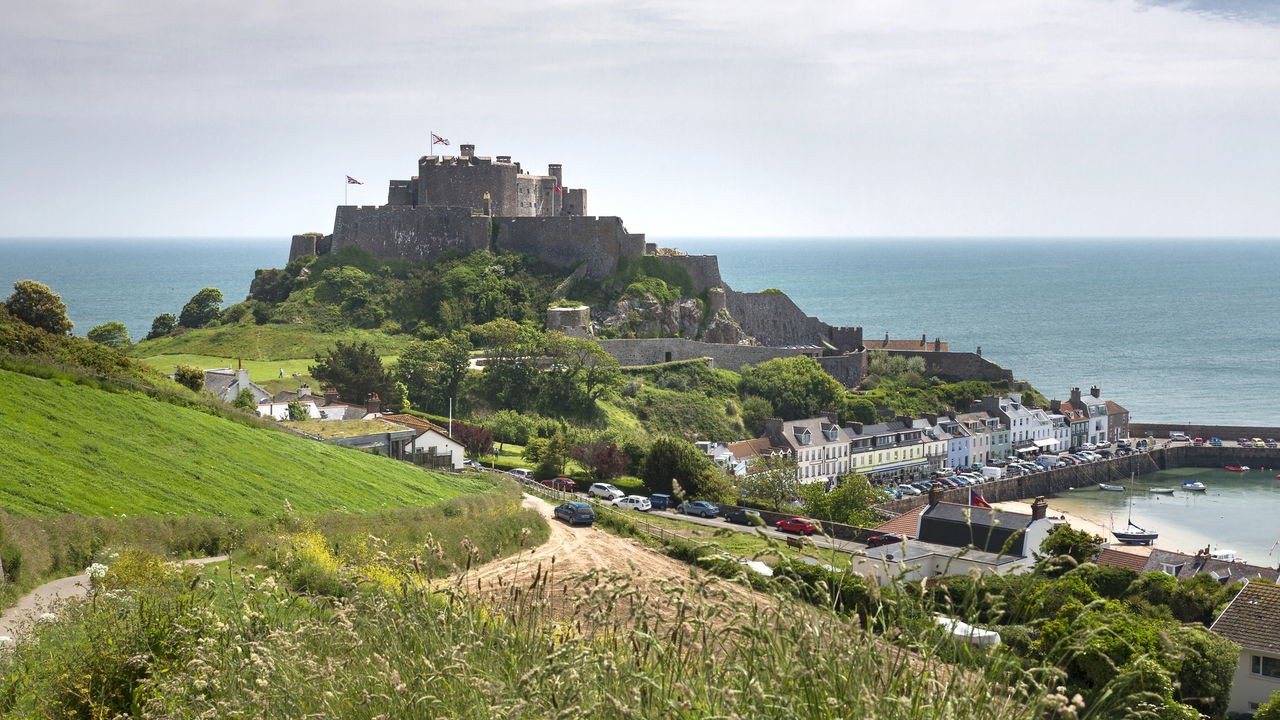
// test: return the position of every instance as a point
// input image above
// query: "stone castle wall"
(704, 270)
(957, 365)
(651, 351)
(409, 233)
(597, 243)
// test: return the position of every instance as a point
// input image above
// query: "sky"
(743, 118)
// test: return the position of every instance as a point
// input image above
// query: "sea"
(1174, 330)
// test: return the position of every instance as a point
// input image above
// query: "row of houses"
(995, 428)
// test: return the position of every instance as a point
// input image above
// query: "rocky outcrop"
(644, 316)
(725, 330)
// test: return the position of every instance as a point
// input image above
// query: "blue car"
(700, 507)
(575, 513)
(661, 501)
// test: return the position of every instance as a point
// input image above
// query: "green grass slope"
(71, 448)
(264, 342)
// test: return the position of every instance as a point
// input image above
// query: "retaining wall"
(1226, 432)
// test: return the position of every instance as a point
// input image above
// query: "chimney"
(832, 416)
(374, 404)
(1039, 508)
(242, 378)
(773, 427)
(1094, 391)
(924, 339)
(886, 338)
(932, 418)
(304, 389)
(935, 495)
(466, 151)
(854, 426)
(937, 344)
(330, 396)
(979, 351)
(905, 420)
(1075, 397)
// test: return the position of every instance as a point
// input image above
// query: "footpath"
(45, 597)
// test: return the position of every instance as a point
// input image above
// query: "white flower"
(96, 571)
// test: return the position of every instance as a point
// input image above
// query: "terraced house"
(887, 451)
(818, 444)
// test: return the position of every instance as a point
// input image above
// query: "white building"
(819, 445)
(1096, 409)
(1252, 620)
(280, 410)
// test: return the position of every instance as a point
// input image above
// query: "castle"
(469, 202)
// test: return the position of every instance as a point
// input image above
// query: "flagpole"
(345, 187)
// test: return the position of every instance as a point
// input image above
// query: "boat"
(1233, 468)
(1161, 491)
(1193, 486)
(1112, 488)
(1134, 534)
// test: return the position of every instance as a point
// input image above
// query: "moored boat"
(1233, 468)
(1193, 486)
(1112, 488)
(1161, 491)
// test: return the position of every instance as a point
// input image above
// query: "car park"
(561, 483)
(800, 525)
(884, 539)
(575, 513)
(744, 516)
(605, 491)
(662, 501)
(633, 502)
(701, 508)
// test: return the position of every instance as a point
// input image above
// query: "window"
(1266, 666)
(1171, 569)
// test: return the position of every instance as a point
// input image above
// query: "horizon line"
(708, 237)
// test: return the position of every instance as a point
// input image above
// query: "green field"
(270, 343)
(263, 372)
(71, 448)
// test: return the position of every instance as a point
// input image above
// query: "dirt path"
(624, 567)
(47, 596)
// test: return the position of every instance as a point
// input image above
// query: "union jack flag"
(437, 140)
(353, 181)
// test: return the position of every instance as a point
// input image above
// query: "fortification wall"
(704, 270)
(957, 365)
(651, 351)
(565, 241)
(409, 233)
(463, 183)
(774, 319)
(849, 368)
(1225, 432)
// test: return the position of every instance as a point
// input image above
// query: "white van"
(523, 473)
(992, 473)
(1048, 461)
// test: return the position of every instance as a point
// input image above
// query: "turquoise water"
(1236, 511)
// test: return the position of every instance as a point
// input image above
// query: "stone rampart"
(775, 319)
(568, 241)
(1225, 432)
(849, 368)
(704, 270)
(651, 351)
(409, 233)
(957, 365)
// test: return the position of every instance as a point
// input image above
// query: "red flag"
(437, 140)
(353, 181)
(557, 187)
(976, 500)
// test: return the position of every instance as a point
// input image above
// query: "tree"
(510, 427)
(162, 325)
(189, 376)
(297, 411)
(112, 334)
(755, 410)
(673, 459)
(1066, 540)
(860, 409)
(602, 459)
(1269, 710)
(475, 439)
(245, 401)
(773, 479)
(36, 305)
(797, 387)
(355, 371)
(201, 309)
(271, 286)
(433, 371)
(554, 457)
(852, 502)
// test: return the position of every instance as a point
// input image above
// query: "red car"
(799, 525)
(885, 539)
(561, 483)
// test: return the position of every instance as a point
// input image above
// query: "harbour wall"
(1226, 432)
(1113, 472)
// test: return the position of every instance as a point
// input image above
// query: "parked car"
(1257, 442)
(885, 539)
(744, 516)
(561, 483)
(473, 464)
(909, 489)
(1271, 442)
(575, 513)
(799, 525)
(1244, 442)
(1198, 441)
(523, 473)
(947, 483)
(661, 501)
(633, 502)
(605, 491)
(1215, 441)
(1105, 453)
(1103, 444)
(701, 508)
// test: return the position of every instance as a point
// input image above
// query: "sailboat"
(1134, 534)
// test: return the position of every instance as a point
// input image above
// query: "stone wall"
(409, 233)
(775, 319)
(572, 321)
(704, 270)
(651, 351)
(956, 365)
(1225, 432)
(849, 368)
(565, 241)
(463, 182)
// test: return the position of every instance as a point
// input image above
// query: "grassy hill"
(72, 448)
(270, 342)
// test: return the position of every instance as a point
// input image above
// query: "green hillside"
(265, 342)
(71, 448)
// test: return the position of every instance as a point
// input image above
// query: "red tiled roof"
(751, 448)
(905, 524)
(882, 344)
(1121, 559)
(1253, 618)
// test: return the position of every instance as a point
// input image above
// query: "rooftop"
(329, 429)
(1252, 619)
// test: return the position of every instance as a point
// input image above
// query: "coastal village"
(929, 501)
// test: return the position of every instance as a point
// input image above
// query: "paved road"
(47, 596)
(719, 522)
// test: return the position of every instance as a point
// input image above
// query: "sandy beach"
(1077, 522)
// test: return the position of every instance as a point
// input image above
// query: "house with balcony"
(887, 452)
